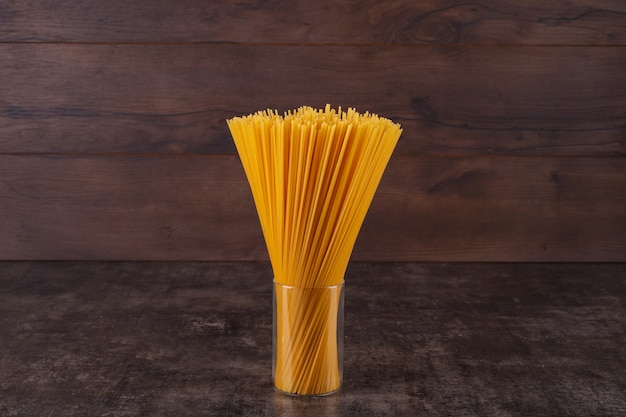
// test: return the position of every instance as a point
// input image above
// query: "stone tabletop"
(194, 339)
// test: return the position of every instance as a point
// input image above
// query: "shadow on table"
(288, 406)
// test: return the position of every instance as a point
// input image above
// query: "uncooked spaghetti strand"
(325, 222)
(297, 325)
(274, 217)
(323, 351)
(304, 202)
(359, 156)
(296, 201)
(346, 176)
(352, 220)
(299, 199)
(291, 209)
(317, 216)
(366, 193)
(316, 206)
(279, 145)
(245, 142)
(308, 342)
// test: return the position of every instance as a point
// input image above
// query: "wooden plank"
(199, 208)
(175, 98)
(126, 208)
(498, 209)
(344, 21)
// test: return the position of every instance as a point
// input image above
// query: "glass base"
(295, 395)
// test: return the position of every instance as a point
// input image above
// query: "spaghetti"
(313, 174)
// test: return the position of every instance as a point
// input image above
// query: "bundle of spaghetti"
(313, 174)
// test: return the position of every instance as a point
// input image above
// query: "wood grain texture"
(346, 21)
(114, 145)
(175, 98)
(126, 208)
(498, 209)
(200, 208)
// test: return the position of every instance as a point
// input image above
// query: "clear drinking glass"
(308, 339)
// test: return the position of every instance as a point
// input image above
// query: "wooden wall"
(113, 141)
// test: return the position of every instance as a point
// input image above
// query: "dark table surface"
(194, 339)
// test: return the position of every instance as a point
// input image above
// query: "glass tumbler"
(308, 339)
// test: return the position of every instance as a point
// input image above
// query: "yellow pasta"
(313, 174)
